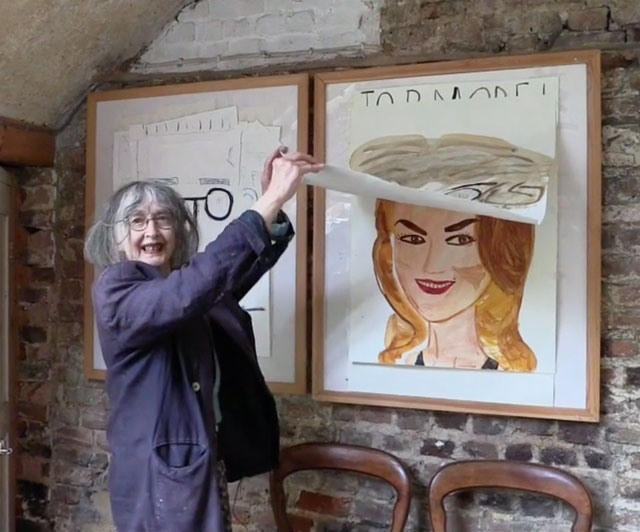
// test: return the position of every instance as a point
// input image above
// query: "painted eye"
(460, 240)
(414, 240)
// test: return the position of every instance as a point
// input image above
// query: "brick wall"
(62, 446)
(62, 455)
(36, 279)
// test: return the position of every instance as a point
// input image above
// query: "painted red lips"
(430, 286)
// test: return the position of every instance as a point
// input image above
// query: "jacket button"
(196, 386)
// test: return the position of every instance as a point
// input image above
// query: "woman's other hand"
(280, 180)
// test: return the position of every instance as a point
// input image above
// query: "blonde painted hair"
(505, 250)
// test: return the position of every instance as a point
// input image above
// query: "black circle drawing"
(211, 199)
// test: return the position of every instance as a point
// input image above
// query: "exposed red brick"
(475, 449)
(95, 418)
(35, 315)
(33, 469)
(323, 504)
(617, 59)
(597, 459)
(435, 447)
(625, 12)
(626, 295)
(558, 456)
(73, 475)
(76, 435)
(40, 198)
(72, 289)
(33, 335)
(588, 19)
(375, 415)
(448, 420)
(33, 411)
(34, 351)
(487, 425)
(66, 495)
(40, 249)
(539, 505)
(519, 451)
(620, 266)
(622, 319)
(621, 348)
(633, 376)
(300, 523)
(35, 393)
(579, 433)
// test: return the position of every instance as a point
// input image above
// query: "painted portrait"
(454, 281)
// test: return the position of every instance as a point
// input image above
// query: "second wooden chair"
(536, 478)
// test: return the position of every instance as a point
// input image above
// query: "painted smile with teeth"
(430, 286)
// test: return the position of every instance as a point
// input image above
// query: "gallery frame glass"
(571, 388)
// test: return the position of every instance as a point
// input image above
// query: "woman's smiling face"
(151, 236)
(436, 260)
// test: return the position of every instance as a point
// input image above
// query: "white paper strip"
(349, 181)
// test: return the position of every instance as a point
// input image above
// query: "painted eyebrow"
(459, 225)
(412, 226)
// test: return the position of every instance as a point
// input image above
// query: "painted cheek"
(403, 262)
(474, 275)
(408, 267)
(401, 254)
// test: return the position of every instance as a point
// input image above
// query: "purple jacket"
(157, 336)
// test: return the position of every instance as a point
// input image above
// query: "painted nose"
(435, 260)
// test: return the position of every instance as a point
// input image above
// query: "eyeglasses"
(139, 222)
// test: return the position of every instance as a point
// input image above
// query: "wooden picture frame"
(330, 371)
(279, 101)
(9, 345)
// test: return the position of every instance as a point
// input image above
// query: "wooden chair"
(336, 456)
(536, 478)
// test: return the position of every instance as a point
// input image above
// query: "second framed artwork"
(424, 308)
(209, 141)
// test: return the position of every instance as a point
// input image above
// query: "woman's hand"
(280, 180)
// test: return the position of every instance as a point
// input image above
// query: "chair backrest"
(535, 478)
(336, 456)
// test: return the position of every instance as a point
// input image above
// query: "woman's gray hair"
(104, 238)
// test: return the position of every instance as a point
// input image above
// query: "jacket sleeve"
(279, 235)
(138, 305)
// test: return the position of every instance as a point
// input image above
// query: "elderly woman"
(187, 396)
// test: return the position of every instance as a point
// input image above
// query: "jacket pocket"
(179, 455)
(181, 474)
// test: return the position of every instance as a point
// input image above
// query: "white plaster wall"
(237, 34)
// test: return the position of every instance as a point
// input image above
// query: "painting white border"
(568, 394)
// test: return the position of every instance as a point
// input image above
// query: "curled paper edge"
(362, 184)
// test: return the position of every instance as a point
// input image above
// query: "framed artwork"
(428, 308)
(209, 141)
